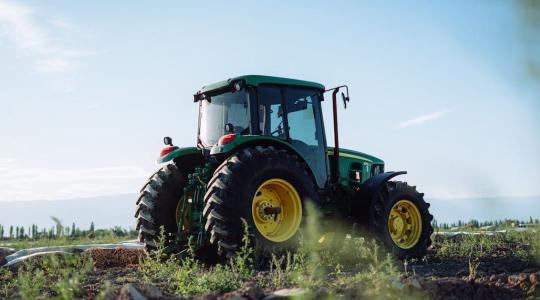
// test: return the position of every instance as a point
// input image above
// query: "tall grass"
(188, 276)
(59, 276)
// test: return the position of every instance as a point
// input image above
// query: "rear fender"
(186, 159)
(178, 152)
(244, 141)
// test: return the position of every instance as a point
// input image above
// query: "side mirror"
(345, 99)
(167, 141)
(229, 128)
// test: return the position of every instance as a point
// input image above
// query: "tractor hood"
(356, 155)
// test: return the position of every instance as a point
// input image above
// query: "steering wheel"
(230, 128)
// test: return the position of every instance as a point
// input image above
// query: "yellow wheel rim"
(405, 224)
(276, 210)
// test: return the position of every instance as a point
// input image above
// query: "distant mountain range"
(485, 209)
(118, 210)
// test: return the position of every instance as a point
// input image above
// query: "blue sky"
(88, 89)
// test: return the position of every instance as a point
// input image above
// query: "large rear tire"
(157, 206)
(266, 187)
(399, 216)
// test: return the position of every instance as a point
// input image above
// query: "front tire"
(266, 187)
(157, 206)
(399, 216)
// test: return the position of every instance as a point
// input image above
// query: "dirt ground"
(497, 278)
(501, 275)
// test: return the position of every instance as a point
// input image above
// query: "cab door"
(305, 129)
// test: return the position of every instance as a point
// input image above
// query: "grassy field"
(479, 266)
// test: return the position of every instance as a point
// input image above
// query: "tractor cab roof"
(256, 80)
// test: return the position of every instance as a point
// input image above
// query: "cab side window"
(301, 116)
(271, 113)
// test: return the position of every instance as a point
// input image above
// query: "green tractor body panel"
(350, 161)
(256, 80)
(355, 167)
(244, 140)
(177, 152)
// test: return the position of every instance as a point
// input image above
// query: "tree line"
(477, 224)
(34, 232)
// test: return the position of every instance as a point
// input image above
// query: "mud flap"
(368, 189)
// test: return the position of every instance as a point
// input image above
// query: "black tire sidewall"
(166, 205)
(167, 186)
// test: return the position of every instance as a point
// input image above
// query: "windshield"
(222, 114)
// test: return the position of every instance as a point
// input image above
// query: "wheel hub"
(405, 224)
(276, 210)
(268, 212)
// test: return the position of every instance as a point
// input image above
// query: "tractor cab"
(250, 106)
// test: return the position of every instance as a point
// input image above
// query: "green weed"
(188, 276)
(30, 283)
(58, 275)
(482, 246)
(6, 283)
(474, 259)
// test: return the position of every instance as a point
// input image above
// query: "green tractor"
(262, 157)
